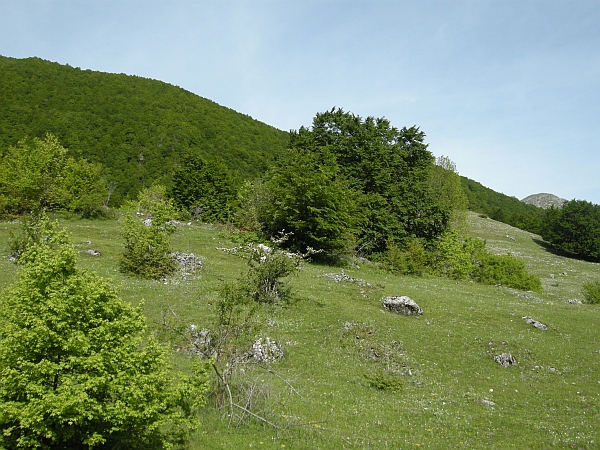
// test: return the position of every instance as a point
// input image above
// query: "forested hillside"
(135, 127)
(501, 207)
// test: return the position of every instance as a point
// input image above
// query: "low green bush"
(384, 380)
(591, 292)
(506, 270)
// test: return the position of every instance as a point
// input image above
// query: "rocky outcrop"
(544, 200)
(505, 359)
(402, 305)
(535, 323)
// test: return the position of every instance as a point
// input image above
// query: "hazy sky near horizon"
(507, 89)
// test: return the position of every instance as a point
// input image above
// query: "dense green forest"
(135, 127)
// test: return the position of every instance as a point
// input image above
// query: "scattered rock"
(552, 276)
(200, 342)
(261, 352)
(93, 252)
(88, 242)
(147, 222)
(535, 323)
(487, 402)
(505, 359)
(343, 278)
(574, 301)
(564, 274)
(402, 305)
(188, 262)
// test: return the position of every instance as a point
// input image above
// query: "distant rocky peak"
(544, 200)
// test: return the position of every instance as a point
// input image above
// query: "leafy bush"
(467, 258)
(310, 200)
(263, 281)
(207, 186)
(384, 380)
(38, 174)
(411, 261)
(591, 292)
(77, 369)
(147, 250)
(506, 270)
(456, 257)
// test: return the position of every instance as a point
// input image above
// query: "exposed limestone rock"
(200, 342)
(505, 359)
(402, 305)
(93, 252)
(261, 352)
(188, 262)
(535, 323)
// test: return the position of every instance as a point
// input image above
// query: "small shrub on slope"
(591, 292)
(147, 252)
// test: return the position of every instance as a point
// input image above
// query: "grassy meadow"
(337, 339)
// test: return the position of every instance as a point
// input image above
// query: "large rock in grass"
(402, 305)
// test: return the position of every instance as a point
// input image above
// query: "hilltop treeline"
(135, 127)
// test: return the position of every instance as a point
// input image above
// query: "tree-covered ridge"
(136, 127)
(501, 207)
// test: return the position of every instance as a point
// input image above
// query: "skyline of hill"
(138, 128)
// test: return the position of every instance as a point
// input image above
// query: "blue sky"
(509, 90)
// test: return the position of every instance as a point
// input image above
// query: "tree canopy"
(574, 229)
(137, 128)
(205, 185)
(37, 173)
(390, 168)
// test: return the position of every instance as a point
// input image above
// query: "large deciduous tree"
(390, 167)
(76, 367)
(308, 197)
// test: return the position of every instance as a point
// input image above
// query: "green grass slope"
(136, 127)
(452, 395)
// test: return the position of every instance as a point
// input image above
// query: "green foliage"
(574, 229)
(389, 167)
(468, 259)
(147, 251)
(309, 199)
(263, 281)
(205, 185)
(457, 257)
(591, 292)
(385, 380)
(506, 270)
(447, 189)
(30, 233)
(135, 127)
(76, 367)
(253, 197)
(413, 260)
(82, 189)
(501, 207)
(38, 174)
